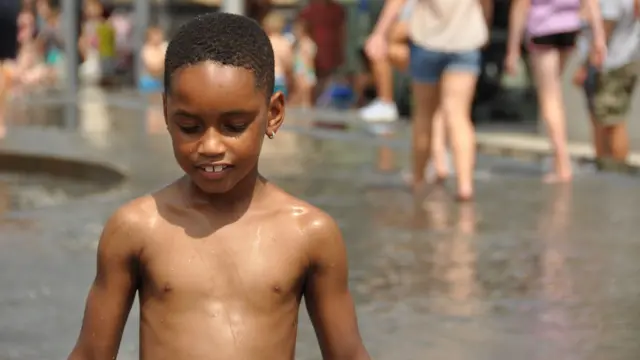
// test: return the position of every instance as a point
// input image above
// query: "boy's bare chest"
(241, 266)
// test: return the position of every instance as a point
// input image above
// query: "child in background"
(273, 25)
(153, 53)
(609, 90)
(89, 44)
(29, 69)
(151, 82)
(106, 35)
(304, 68)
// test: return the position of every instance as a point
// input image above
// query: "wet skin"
(220, 261)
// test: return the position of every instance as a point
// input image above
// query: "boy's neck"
(247, 192)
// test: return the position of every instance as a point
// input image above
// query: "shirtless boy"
(221, 258)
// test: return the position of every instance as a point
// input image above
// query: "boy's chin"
(213, 187)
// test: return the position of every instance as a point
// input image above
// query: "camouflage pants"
(610, 93)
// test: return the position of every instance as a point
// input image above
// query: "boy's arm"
(112, 292)
(327, 296)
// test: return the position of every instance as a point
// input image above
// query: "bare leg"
(398, 58)
(458, 88)
(618, 141)
(547, 67)
(4, 90)
(425, 100)
(399, 55)
(439, 147)
(599, 139)
(383, 77)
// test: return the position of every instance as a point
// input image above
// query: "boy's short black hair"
(225, 39)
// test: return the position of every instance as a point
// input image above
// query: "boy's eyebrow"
(186, 114)
(237, 112)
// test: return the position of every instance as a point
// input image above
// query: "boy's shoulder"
(135, 218)
(312, 225)
(138, 219)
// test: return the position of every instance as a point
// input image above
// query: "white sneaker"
(379, 111)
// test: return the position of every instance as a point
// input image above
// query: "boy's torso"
(220, 292)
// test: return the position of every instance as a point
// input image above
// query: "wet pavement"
(527, 272)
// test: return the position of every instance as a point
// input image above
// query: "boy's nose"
(211, 144)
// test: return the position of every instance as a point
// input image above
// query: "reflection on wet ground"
(29, 191)
(527, 272)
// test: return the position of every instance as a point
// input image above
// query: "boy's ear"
(275, 115)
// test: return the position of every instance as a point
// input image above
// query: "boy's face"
(217, 119)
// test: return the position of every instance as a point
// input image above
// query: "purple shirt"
(548, 17)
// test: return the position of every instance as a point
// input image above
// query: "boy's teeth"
(216, 168)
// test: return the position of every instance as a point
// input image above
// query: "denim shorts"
(427, 66)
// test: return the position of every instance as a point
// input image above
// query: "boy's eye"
(189, 129)
(236, 127)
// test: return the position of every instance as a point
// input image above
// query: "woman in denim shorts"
(446, 39)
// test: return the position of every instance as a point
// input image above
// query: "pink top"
(549, 17)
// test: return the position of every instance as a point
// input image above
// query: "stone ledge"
(14, 161)
(511, 144)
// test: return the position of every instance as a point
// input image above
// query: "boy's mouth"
(214, 171)
(214, 168)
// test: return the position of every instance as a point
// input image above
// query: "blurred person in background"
(89, 42)
(153, 55)
(29, 69)
(304, 69)
(258, 9)
(123, 28)
(274, 24)
(327, 25)
(9, 10)
(551, 28)
(383, 108)
(151, 81)
(609, 90)
(446, 39)
(106, 34)
(51, 37)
